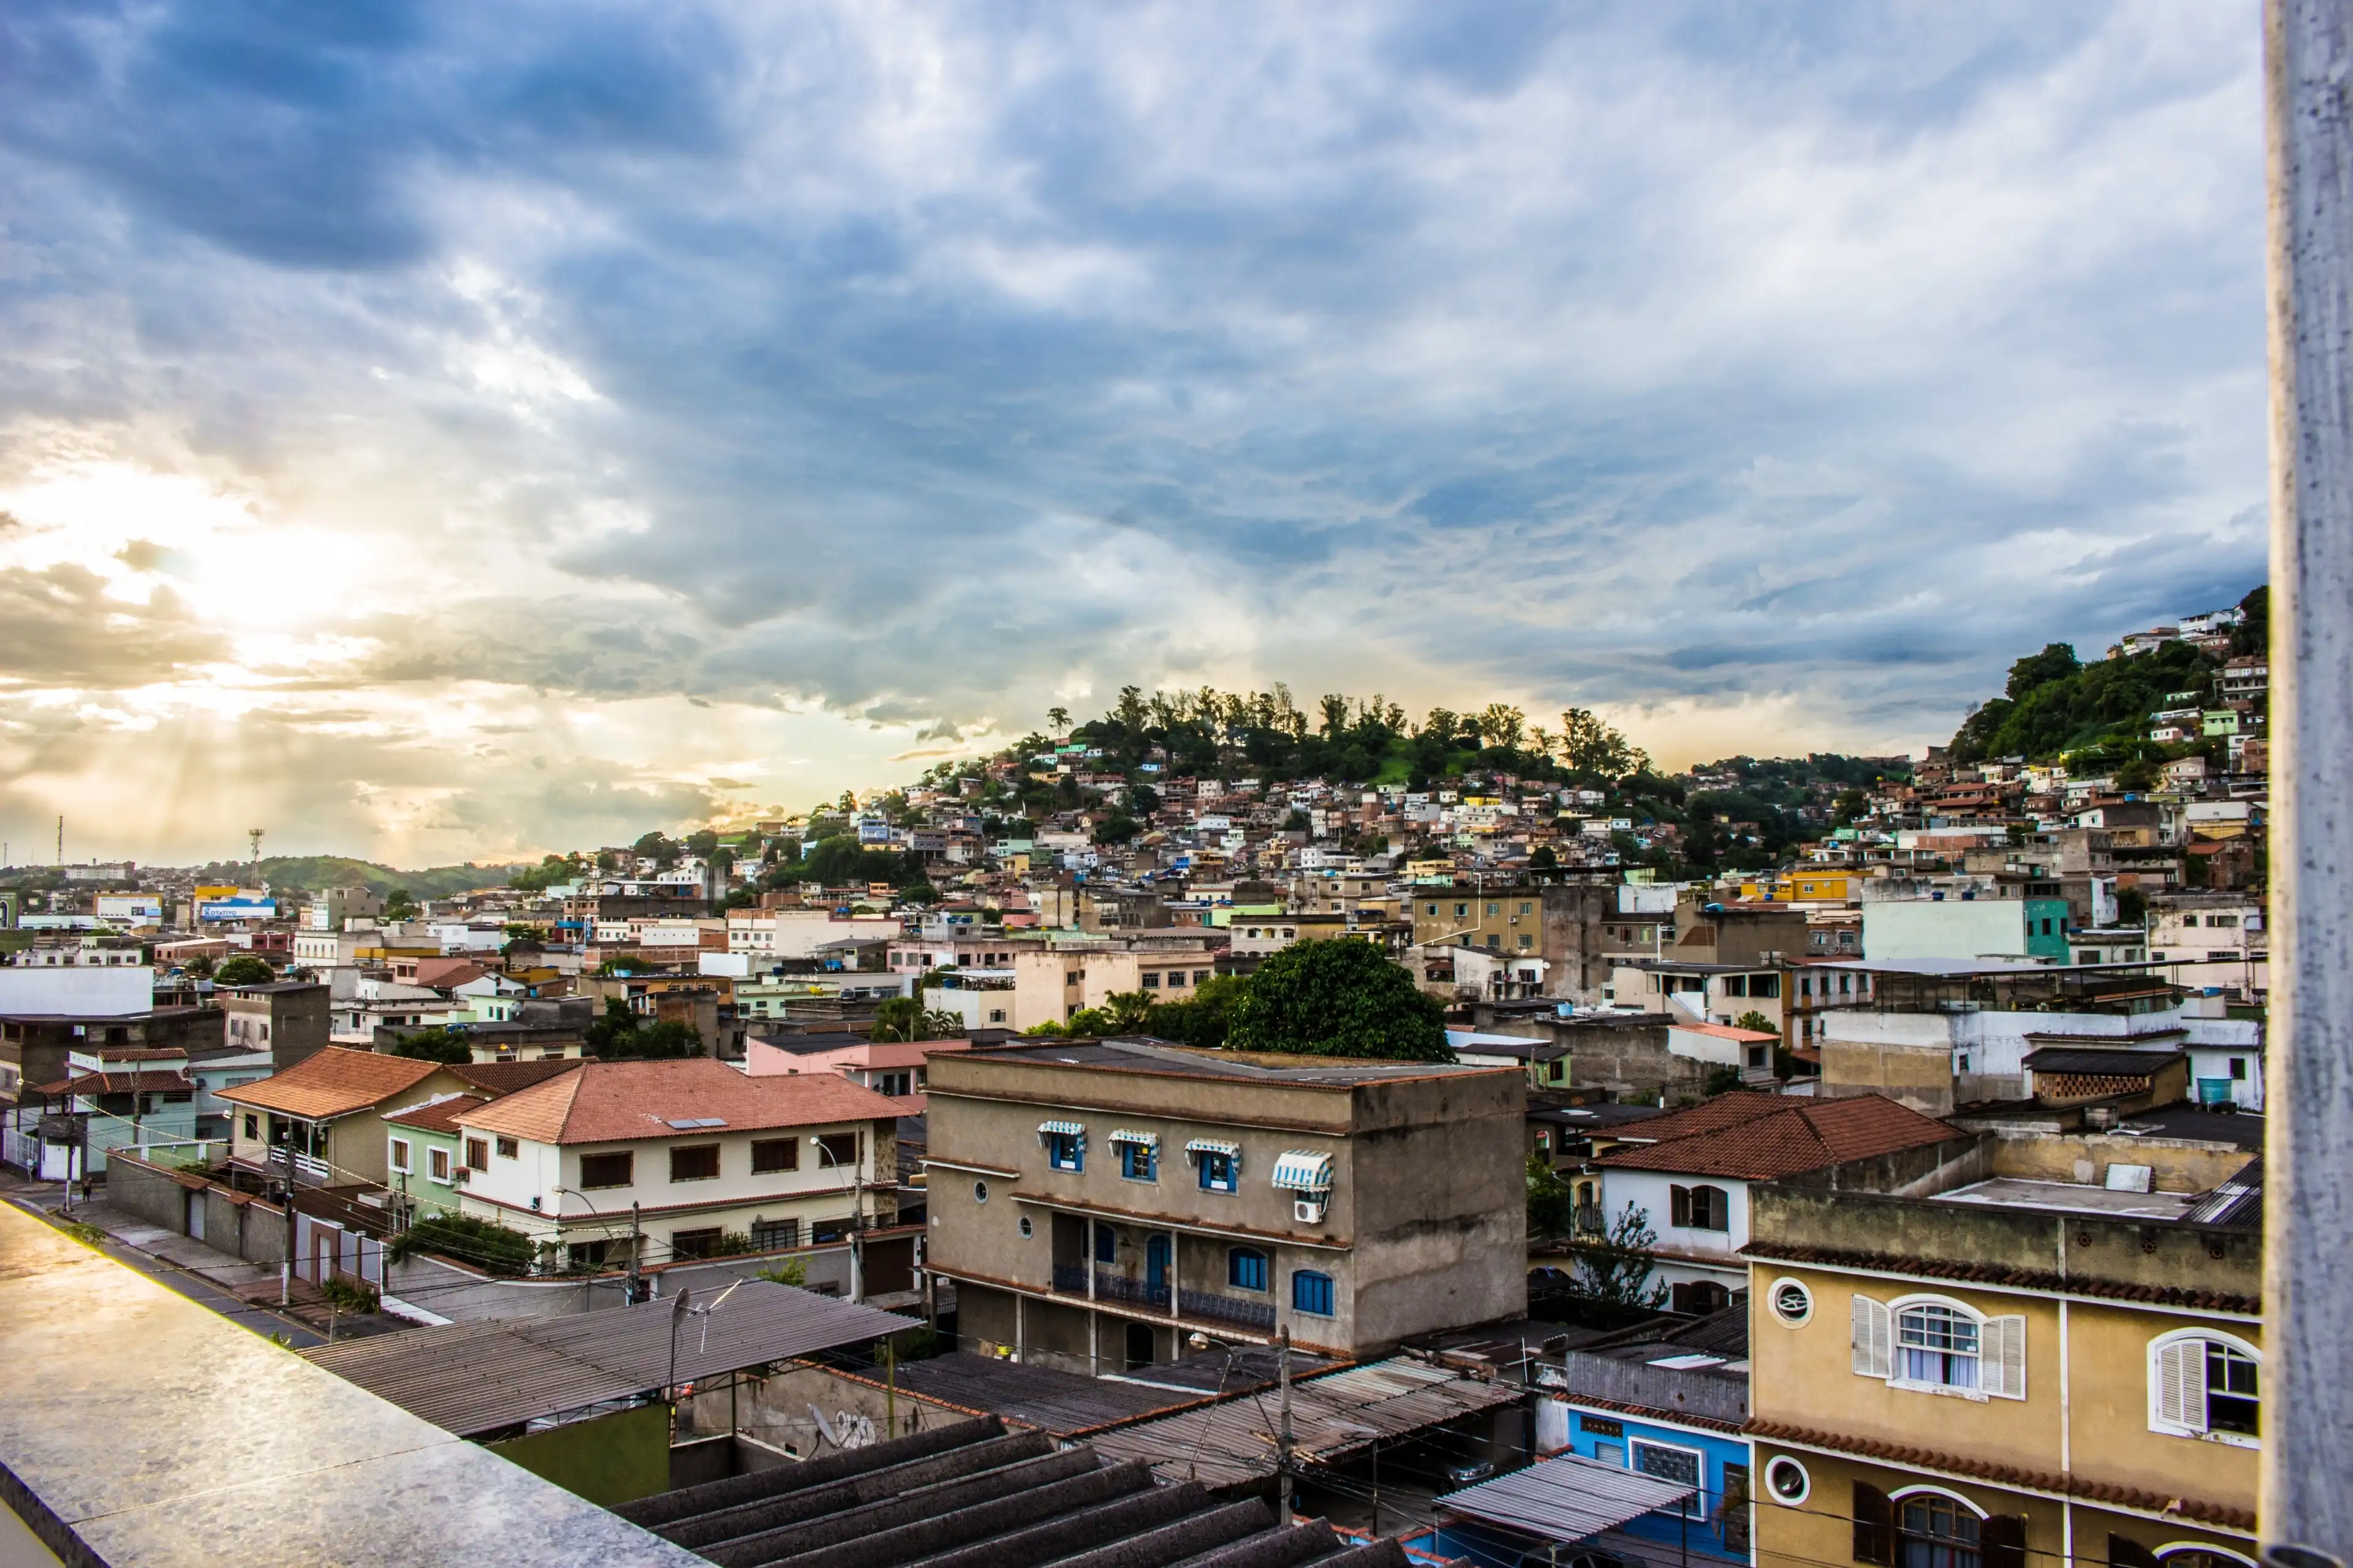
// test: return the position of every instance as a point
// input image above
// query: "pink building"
(894, 1069)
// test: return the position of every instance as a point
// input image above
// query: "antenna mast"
(255, 835)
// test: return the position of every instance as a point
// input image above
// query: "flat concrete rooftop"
(2011, 1192)
(142, 1429)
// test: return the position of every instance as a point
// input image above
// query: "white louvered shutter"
(1874, 1339)
(2181, 1384)
(2002, 1357)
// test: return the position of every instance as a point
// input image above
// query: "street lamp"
(629, 1293)
(857, 1213)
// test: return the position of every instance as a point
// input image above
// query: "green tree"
(1129, 1011)
(1588, 744)
(1339, 998)
(1203, 1018)
(399, 904)
(1116, 828)
(435, 1045)
(667, 1040)
(1552, 1207)
(1753, 1019)
(2132, 907)
(900, 1018)
(2057, 661)
(1613, 1270)
(243, 969)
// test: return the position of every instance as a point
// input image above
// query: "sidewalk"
(244, 1292)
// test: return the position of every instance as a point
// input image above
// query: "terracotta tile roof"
(505, 1078)
(1761, 1137)
(332, 1082)
(147, 1082)
(1723, 1031)
(437, 1115)
(2205, 1511)
(611, 1102)
(2019, 1278)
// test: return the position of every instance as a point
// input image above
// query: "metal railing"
(1234, 1309)
(1134, 1292)
(1071, 1280)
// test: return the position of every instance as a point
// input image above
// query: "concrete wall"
(443, 1288)
(2079, 1246)
(1949, 928)
(1628, 1057)
(774, 1409)
(609, 1461)
(240, 1226)
(77, 990)
(2178, 1165)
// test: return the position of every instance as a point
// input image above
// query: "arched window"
(2205, 1385)
(1937, 1345)
(1246, 1269)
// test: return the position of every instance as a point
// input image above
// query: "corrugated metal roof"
(478, 1377)
(1565, 1498)
(1233, 1441)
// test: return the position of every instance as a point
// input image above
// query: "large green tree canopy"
(1339, 998)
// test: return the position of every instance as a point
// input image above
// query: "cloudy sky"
(442, 431)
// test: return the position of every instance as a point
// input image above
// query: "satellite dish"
(825, 1426)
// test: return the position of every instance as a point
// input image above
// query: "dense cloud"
(891, 365)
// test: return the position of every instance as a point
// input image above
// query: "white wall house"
(703, 1152)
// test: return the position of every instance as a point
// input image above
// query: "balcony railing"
(1234, 1309)
(1135, 1292)
(1070, 1279)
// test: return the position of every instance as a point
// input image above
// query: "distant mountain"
(309, 873)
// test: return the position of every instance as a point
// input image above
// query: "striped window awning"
(1130, 1135)
(1062, 1130)
(1297, 1171)
(1213, 1146)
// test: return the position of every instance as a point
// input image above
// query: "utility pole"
(630, 1294)
(2306, 1511)
(1282, 1433)
(61, 841)
(286, 1268)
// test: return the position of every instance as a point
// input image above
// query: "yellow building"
(2015, 1373)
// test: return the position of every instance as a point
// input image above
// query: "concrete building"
(1096, 1204)
(693, 1153)
(1998, 1370)
(1937, 1036)
(2215, 939)
(1964, 928)
(1696, 992)
(289, 1019)
(1069, 973)
(1576, 931)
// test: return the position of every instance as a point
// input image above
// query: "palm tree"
(1127, 1010)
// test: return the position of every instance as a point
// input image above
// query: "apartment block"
(1097, 1203)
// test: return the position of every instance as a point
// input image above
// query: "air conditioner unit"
(1308, 1211)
